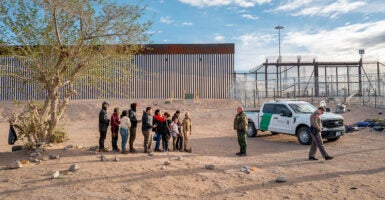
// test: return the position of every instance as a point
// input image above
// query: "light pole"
(361, 52)
(279, 41)
(279, 57)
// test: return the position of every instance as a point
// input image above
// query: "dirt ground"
(356, 172)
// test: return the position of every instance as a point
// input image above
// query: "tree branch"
(56, 26)
(70, 91)
(105, 35)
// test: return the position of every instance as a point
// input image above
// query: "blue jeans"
(158, 136)
(124, 134)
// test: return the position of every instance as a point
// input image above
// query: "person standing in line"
(179, 137)
(146, 129)
(115, 121)
(240, 124)
(157, 123)
(186, 126)
(125, 124)
(103, 126)
(134, 123)
(166, 133)
(175, 133)
(315, 133)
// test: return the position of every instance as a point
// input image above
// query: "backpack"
(12, 137)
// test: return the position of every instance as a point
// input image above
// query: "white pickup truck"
(293, 118)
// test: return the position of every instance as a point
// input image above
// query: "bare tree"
(63, 41)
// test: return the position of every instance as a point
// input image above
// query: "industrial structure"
(305, 76)
(352, 69)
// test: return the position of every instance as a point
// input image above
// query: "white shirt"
(175, 130)
(125, 122)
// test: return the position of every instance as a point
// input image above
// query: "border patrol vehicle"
(293, 118)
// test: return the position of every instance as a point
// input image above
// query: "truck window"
(268, 108)
(279, 108)
(304, 108)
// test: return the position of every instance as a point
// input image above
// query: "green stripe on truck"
(265, 121)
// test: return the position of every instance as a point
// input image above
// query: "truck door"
(282, 119)
(266, 117)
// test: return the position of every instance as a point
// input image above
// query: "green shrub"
(59, 136)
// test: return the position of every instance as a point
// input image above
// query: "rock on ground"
(280, 179)
(15, 165)
(54, 156)
(74, 167)
(103, 157)
(56, 174)
(210, 166)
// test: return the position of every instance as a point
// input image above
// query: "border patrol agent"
(240, 124)
(315, 133)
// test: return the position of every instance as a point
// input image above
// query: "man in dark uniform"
(315, 133)
(240, 124)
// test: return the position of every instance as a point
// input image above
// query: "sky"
(323, 29)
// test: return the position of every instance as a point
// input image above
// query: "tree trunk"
(53, 121)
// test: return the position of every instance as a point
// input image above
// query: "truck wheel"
(333, 139)
(303, 135)
(251, 131)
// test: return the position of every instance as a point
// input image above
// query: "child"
(175, 133)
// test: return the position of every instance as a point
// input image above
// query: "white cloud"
(251, 49)
(321, 7)
(248, 16)
(326, 45)
(254, 39)
(219, 38)
(230, 25)
(373, 7)
(292, 5)
(155, 32)
(187, 24)
(240, 3)
(329, 43)
(166, 20)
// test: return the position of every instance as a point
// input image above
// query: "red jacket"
(115, 121)
(160, 118)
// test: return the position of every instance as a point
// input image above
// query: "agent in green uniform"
(240, 124)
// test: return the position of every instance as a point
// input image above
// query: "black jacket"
(167, 126)
(103, 120)
(133, 119)
(146, 122)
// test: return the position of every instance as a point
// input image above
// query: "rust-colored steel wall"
(162, 71)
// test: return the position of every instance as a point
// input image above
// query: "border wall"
(161, 72)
